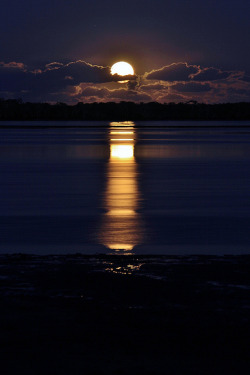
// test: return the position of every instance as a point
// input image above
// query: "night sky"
(62, 50)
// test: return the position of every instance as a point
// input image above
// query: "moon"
(122, 68)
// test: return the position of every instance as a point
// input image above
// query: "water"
(125, 188)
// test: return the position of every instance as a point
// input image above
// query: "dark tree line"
(12, 109)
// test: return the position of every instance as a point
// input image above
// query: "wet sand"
(78, 314)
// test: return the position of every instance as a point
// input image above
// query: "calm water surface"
(98, 187)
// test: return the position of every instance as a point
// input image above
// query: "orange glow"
(121, 151)
(122, 132)
(120, 246)
(122, 124)
(121, 139)
(121, 228)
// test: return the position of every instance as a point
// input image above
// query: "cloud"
(13, 64)
(191, 87)
(154, 87)
(133, 84)
(93, 93)
(233, 90)
(129, 95)
(80, 71)
(172, 98)
(210, 74)
(174, 72)
(54, 78)
(183, 72)
(82, 81)
(53, 65)
(245, 78)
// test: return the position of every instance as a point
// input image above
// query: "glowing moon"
(122, 68)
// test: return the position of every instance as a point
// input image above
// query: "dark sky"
(148, 34)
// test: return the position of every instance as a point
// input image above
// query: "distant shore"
(16, 110)
(48, 124)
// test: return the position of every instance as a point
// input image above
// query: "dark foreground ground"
(124, 315)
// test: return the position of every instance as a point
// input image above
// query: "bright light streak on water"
(121, 227)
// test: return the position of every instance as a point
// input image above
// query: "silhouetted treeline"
(13, 109)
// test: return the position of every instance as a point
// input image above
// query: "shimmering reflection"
(123, 269)
(123, 124)
(121, 227)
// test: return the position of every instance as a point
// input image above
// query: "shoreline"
(78, 314)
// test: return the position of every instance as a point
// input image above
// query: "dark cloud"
(132, 85)
(242, 91)
(173, 72)
(210, 74)
(245, 78)
(129, 95)
(95, 92)
(172, 98)
(234, 94)
(191, 87)
(153, 87)
(79, 80)
(81, 71)
(13, 65)
(185, 72)
(53, 65)
(53, 78)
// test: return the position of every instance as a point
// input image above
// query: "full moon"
(122, 68)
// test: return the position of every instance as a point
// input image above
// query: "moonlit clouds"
(193, 82)
(104, 94)
(191, 87)
(13, 64)
(177, 72)
(245, 78)
(82, 81)
(173, 72)
(210, 74)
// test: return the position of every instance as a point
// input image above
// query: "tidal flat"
(102, 314)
